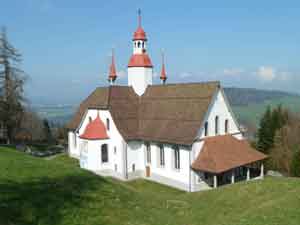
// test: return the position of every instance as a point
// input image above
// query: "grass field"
(40, 191)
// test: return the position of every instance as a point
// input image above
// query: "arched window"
(90, 119)
(176, 157)
(104, 153)
(206, 129)
(107, 124)
(161, 155)
(143, 44)
(148, 152)
(139, 44)
(226, 126)
(217, 125)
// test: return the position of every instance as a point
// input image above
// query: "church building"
(184, 135)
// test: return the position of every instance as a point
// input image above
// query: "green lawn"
(40, 191)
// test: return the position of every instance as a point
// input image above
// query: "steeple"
(112, 70)
(140, 66)
(163, 75)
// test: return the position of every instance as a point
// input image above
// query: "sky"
(66, 44)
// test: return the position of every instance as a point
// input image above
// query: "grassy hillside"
(40, 191)
(250, 104)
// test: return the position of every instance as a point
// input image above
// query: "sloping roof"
(95, 130)
(225, 152)
(164, 113)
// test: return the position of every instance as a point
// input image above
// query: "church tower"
(140, 69)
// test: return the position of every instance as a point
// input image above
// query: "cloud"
(266, 73)
(185, 75)
(233, 71)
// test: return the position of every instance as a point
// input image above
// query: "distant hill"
(247, 96)
(250, 104)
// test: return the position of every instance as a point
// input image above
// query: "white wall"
(94, 146)
(139, 78)
(168, 171)
(221, 109)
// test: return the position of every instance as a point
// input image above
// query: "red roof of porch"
(225, 152)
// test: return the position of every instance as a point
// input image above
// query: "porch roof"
(225, 152)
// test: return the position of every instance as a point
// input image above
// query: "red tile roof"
(95, 130)
(140, 60)
(225, 152)
(139, 34)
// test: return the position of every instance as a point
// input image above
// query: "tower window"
(206, 129)
(139, 44)
(217, 125)
(104, 153)
(90, 119)
(226, 126)
(143, 44)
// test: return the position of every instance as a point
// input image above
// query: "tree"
(47, 131)
(265, 133)
(295, 164)
(12, 80)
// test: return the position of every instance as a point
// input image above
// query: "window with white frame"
(176, 158)
(104, 153)
(107, 124)
(217, 125)
(226, 126)
(148, 153)
(206, 129)
(161, 155)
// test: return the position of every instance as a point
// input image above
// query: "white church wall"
(115, 164)
(139, 78)
(135, 159)
(167, 174)
(73, 145)
(219, 108)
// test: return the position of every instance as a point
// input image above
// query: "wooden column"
(248, 173)
(232, 177)
(215, 181)
(262, 170)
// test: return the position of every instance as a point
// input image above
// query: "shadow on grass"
(44, 200)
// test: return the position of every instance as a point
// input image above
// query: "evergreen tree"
(47, 131)
(295, 164)
(265, 132)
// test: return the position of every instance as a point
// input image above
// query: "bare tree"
(12, 80)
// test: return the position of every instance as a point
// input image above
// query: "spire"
(112, 69)
(163, 75)
(139, 34)
(140, 17)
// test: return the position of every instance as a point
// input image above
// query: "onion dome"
(140, 60)
(112, 69)
(95, 130)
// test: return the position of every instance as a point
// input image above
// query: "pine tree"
(265, 133)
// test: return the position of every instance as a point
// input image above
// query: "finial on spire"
(112, 69)
(140, 17)
(163, 75)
